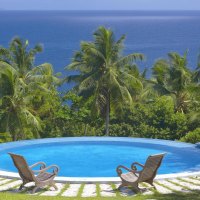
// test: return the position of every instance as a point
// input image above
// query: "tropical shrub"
(192, 136)
(121, 130)
(156, 119)
(5, 137)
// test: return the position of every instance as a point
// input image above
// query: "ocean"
(153, 33)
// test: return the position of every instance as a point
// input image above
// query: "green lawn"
(174, 196)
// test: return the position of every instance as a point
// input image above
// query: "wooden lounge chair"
(42, 178)
(147, 174)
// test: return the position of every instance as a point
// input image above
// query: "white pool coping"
(179, 145)
(62, 179)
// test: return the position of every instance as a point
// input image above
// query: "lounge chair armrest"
(133, 167)
(119, 170)
(54, 167)
(43, 165)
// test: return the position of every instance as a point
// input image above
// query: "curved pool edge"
(177, 144)
(62, 179)
(76, 180)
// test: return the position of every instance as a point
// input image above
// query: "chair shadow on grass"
(26, 190)
(193, 195)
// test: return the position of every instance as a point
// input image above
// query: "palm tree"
(16, 116)
(18, 55)
(21, 83)
(174, 78)
(102, 74)
(197, 71)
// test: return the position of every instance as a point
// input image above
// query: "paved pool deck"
(164, 186)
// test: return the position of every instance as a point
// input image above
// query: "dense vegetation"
(111, 96)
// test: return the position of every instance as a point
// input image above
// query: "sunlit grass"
(195, 195)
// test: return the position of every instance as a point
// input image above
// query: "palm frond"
(129, 59)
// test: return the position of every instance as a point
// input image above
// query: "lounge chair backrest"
(151, 166)
(22, 166)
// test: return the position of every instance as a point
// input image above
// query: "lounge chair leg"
(151, 183)
(136, 188)
(154, 187)
(34, 189)
(21, 186)
(53, 184)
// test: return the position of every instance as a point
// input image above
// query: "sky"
(100, 4)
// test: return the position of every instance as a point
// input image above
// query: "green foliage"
(25, 90)
(174, 77)
(121, 130)
(157, 120)
(108, 86)
(5, 137)
(192, 136)
(103, 74)
(118, 130)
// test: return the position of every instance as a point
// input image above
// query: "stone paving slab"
(188, 185)
(162, 189)
(72, 191)
(52, 191)
(10, 185)
(192, 180)
(172, 186)
(106, 190)
(146, 189)
(3, 181)
(89, 190)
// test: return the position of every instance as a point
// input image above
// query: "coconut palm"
(16, 116)
(21, 83)
(197, 71)
(19, 56)
(174, 78)
(102, 74)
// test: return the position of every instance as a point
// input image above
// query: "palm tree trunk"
(107, 114)
(85, 130)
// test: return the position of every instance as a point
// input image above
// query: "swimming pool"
(99, 156)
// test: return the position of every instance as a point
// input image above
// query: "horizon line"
(3, 9)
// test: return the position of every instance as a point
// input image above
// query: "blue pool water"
(100, 158)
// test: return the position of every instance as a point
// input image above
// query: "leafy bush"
(121, 130)
(5, 137)
(156, 119)
(118, 130)
(192, 136)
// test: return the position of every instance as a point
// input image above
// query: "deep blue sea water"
(154, 33)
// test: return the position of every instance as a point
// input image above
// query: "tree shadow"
(193, 195)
